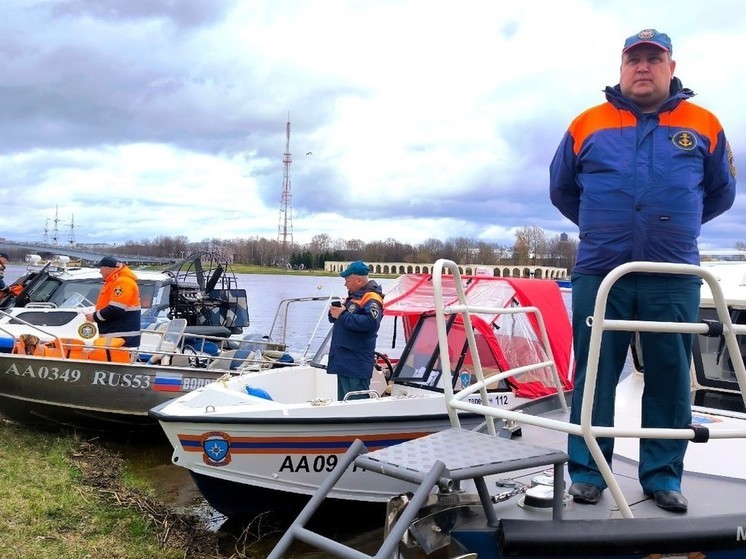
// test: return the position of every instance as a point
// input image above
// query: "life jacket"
(28, 344)
(106, 349)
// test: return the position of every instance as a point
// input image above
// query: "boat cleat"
(510, 429)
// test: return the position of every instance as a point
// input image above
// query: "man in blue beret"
(356, 322)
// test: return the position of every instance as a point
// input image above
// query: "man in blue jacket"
(356, 322)
(639, 175)
(3, 263)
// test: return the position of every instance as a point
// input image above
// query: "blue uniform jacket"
(353, 345)
(639, 186)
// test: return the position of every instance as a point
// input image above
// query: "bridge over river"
(17, 251)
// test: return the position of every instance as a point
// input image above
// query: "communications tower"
(55, 230)
(285, 227)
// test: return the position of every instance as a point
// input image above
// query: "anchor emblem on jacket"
(684, 140)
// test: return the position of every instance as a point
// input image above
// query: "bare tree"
(320, 243)
(531, 242)
(429, 251)
(465, 250)
(562, 251)
(486, 254)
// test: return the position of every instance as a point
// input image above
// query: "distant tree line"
(532, 246)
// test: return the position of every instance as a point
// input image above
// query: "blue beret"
(357, 268)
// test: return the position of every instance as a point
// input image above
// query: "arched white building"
(499, 270)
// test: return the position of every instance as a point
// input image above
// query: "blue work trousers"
(347, 384)
(666, 358)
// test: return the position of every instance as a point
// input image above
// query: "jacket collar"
(677, 94)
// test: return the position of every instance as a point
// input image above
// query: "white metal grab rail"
(456, 401)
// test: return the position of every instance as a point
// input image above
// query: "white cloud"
(423, 118)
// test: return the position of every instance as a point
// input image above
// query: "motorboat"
(202, 289)
(263, 442)
(192, 318)
(482, 495)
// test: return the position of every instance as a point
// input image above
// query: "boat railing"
(280, 322)
(12, 319)
(180, 347)
(176, 352)
(599, 324)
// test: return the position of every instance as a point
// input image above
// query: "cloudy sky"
(410, 119)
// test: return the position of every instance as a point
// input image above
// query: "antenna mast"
(56, 232)
(71, 240)
(285, 227)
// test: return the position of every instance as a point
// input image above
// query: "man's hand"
(336, 311)
(89, 316)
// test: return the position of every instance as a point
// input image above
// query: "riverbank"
(64, 495)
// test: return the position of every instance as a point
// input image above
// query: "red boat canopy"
(505, 341)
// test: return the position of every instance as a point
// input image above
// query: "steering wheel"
(383, 363)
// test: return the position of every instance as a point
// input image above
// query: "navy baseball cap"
(4, 255)
(649, 37)
(357, 268)
(108, 261)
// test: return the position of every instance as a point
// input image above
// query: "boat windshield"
(57, 293)
(420, 361)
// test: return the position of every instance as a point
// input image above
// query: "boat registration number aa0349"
(58, 374)
(45, 373)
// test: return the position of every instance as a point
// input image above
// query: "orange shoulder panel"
(689, 115)
(597, 118)
(370, 295)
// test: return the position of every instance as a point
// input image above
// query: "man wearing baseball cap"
(639, 175)
(356, 322)
(118, 305)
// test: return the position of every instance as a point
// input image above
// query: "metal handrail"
(598, 323)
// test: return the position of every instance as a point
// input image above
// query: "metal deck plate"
(463, 452)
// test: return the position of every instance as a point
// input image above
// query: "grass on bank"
(68, 497)
(45, 510)
(62, 496)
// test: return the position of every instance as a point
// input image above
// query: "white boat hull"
(228, 438)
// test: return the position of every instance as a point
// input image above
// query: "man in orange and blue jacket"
(118, 305)
(639, 175)
(356, 323)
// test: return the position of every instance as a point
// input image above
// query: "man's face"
(353, 282)
(106, 271)
(645, 76)
(3, 260)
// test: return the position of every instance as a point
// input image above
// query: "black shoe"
(585, 493)
(670, 500)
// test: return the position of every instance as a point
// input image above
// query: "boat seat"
(442, 460)
(149, 341)
(222, 361)
(165, 339)
(180, 360)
